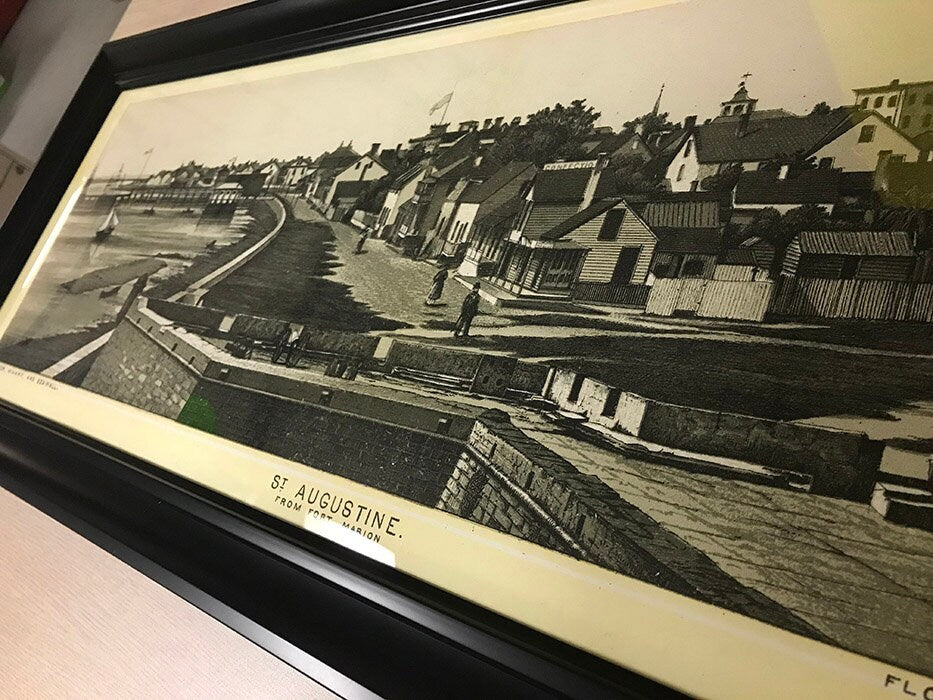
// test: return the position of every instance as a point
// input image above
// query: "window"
(356, 165)
(867, 134)
(726, 111)
(825, 163)
(926, 120)
(609, 231)
(864, 103)
(693, 268)
(899, 158)
(849, 267)
(737, 109)
(612, 402)
(911, 98)
(928, 98)
(575, 387)
(680, 172)
(879, 101)
(688, 149)
(905, 122)
(892, 101)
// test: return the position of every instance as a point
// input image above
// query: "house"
(857, 141)
(400, 192)
(783, 190)
(750, 138)
(325, 168)
(477, 194)
(270, 171)
(344, 197)
(538, 258)
(296, 170)
(845, 255)
(908, 106)
(364, 169)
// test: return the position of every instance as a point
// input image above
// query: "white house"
(366, 168)
(401, 191)
(857, 142)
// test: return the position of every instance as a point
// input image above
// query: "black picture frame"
(300, 596)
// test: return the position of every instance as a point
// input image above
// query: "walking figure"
(437, 287)
(361, 241)
(281, 340)
(468, 311)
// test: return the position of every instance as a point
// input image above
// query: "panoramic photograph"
(665, 306)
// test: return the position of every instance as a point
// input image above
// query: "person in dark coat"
(468, 311)
(437, 287)
(361, 241)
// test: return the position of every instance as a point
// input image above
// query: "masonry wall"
(136, 369)
(409, 463)
(510, 482)
(429, 358)
(841, 463)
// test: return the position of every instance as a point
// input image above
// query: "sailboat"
(108, 225)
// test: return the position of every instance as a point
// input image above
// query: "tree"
(550, 134)
(909, 211)
(780, 229)
(650, 123)
(821, 108)
(633, 174)
(723, 181)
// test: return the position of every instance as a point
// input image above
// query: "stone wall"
(186, 314)
(840, 463)
(410, 463)
(135, 368)
(431, 358)
(510, 482)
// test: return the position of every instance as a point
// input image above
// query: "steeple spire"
(657, 102)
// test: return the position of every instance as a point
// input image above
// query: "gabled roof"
(699, 241)
(349, 188)
(871, 243)
(479, 192)
(820, 186)
(766, 139)
(678, 209)
(561, 186)
(504, 212)
(340, 158)
(577, 220)
(407, 176)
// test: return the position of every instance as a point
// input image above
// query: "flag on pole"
(441, 103)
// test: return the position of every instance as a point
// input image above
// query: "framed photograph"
(594, 337)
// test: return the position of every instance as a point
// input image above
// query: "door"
(625, 265)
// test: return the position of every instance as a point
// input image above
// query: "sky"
(798, 52)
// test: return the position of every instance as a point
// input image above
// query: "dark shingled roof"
(478, 192)
(561, 186)
(578, 219)
(820, 186)
(766, 139)
(349, 188)
(505, 211)
(678, 209)
(702, 241)
(872, 243)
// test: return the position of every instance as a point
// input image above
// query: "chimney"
(498, 121)
(487, 123)
(896, 81)
(880, 180)
(398, 148)
(515, 121)
(374, 149)
(690, 122)
(742, 127)
(782, 172)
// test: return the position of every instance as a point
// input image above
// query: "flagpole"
(446, 106)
